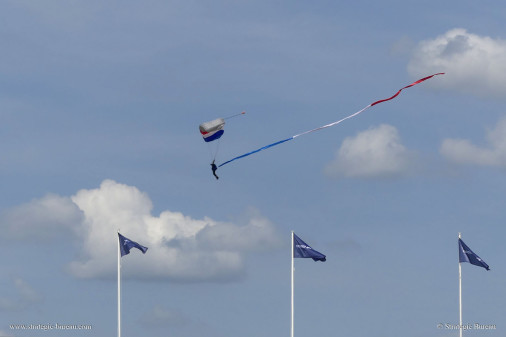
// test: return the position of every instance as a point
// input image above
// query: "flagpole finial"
(460, 236)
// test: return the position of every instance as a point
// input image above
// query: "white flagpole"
(291, 326)
(460, 294)
(119, 287)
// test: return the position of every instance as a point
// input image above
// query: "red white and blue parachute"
(212, 130)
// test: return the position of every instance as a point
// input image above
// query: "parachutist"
(214, 168)
(211, 132)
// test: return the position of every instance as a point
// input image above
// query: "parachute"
(212, 131)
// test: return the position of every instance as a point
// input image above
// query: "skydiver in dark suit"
(214, 168)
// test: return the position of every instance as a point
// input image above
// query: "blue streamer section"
(252, 152)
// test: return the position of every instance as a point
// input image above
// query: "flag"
(303, 250)
(467, 255)
(126, 244)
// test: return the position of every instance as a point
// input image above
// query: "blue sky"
(100, 107)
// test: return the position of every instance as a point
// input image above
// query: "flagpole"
(292, 315)
(460, 295)
(119, 288)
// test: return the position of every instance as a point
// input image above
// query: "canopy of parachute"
(212, 130)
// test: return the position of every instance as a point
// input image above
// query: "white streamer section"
(333, 123)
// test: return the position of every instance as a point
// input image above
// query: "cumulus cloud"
(463, 151)
(181, 248)
(374, 153)
(43, 218)
(473, 64)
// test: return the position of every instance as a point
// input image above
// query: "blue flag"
(467, 255)
(126, 244)
(303, 250)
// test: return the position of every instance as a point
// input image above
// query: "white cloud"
(374, 153)
(462, 151)
(473, 64)
(42, 218)
(180, 247)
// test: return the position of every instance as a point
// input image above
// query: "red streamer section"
(412, 84)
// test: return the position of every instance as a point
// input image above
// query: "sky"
(100, 108)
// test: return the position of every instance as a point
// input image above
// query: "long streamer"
(331, 124)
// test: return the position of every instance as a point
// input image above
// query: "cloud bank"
(374, 153)
(473, 64)
(463, 151)
(46, 218)
(181, 248)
